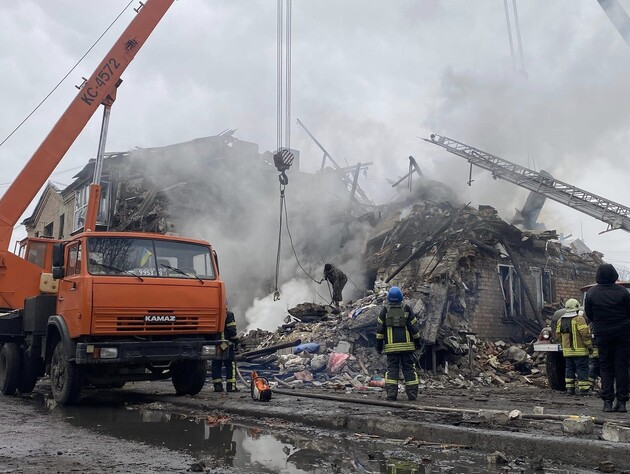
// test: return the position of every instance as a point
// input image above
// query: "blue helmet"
(394, 295)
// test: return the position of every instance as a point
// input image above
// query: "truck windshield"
(148, 258)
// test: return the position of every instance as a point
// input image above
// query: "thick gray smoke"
(222, 190)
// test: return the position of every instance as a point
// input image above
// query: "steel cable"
(64, 77)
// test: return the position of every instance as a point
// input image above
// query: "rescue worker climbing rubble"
(229, 334)
(577, 345)
(398, 336)
(337, 279)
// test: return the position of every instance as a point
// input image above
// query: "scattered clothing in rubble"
(231, 335)
(398, 336)
(575, 339)
(310, 347)
(337, 279)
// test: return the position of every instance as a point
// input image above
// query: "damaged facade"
(468, 272)
(474, 272)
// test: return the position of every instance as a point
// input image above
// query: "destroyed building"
(475, 272)
(468, 271)
(223, 190)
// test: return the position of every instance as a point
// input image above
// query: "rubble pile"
(338, 352)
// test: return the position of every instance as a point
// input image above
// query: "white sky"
(369, 77)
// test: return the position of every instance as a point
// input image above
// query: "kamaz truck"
(103, 308)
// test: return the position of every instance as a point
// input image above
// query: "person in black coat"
(607, 306)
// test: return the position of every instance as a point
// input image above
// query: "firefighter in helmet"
(230, 334)
(576, 342)
(398, 336)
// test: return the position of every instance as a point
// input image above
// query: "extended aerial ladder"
(616, 215)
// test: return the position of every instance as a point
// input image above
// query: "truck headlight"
(108, 352)
(208, 350)
(545, 334)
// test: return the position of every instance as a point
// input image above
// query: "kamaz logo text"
(160, 319)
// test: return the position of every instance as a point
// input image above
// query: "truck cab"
(115, 307)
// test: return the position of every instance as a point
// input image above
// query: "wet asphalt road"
(144, 429)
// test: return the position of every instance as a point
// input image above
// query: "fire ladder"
(615, 215)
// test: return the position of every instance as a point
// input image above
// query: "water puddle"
(220, 444)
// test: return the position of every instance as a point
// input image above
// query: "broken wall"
(464, 275)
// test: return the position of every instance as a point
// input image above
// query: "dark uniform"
(607, 305)
(230, 363)
(398, 336)
(337, 279)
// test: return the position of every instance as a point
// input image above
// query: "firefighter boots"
(570, 391)
(608, 406)
(231, 387)
(412, 393)
(620, 406)
(218, 387)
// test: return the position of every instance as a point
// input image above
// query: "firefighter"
(577, 345)
(230, 362)
(398, 336)
(593, 363)
(337, 279)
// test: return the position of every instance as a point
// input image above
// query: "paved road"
(144, 428)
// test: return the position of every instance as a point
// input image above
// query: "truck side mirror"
(57, 254)
(216, 260)
(58, 272)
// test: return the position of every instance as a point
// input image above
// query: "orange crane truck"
(103, 308)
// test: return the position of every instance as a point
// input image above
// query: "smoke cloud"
(223, 190)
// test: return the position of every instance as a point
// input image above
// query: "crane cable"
(283, 158)
(64, 77)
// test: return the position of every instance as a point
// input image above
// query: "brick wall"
(487, 317)
(487, 306)
(49, 212)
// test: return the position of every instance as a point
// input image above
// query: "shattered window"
(512, 291)
(148, 257)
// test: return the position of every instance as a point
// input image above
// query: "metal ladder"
(616, 215)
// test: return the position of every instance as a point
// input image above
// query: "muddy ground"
(144, 428)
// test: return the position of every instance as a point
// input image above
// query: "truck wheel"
(65, 377)
(555, 370)
(9, 368)
(28, 377)
(189, 377)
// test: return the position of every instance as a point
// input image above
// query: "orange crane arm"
(101, 83)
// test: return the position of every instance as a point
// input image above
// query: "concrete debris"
(578, 425)
(616, 433)
(497, 458)
(495, 416)
(346, 348)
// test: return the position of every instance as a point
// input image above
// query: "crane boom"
(616, 215)
(101, 83)
(618, 17)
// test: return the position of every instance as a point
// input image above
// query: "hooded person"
(607, 306)
(575, 338)
(398, 336)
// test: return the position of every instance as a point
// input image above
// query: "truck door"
(71, 288)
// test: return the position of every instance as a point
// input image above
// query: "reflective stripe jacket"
(574, 335)
(230, 327)
(399, 332)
